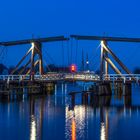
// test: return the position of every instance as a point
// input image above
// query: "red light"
(73, 68)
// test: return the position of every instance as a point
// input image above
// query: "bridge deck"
(85, 77)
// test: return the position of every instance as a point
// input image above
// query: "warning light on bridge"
(73, 68)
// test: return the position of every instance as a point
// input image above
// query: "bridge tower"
(35, 61)
(105, 61)
(36, 51)
(83, 62)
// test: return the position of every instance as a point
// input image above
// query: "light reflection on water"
(73, 129)
(103, 135)
(33, 133)
(53, 117)
(76, 120)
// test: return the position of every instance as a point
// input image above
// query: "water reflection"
(36, 118)
(104, 124)
(33, 132)
(58, 117)
(100, 106)
(73, 129)
(103, 135)
(76, 120)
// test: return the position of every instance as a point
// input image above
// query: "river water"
(53, 117)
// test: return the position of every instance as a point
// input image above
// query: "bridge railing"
(124, 77)
(36, 77)
(14, 77)
(82, 76)
(52, 76)
(72, 76)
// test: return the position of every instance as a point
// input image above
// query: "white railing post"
(124, 80)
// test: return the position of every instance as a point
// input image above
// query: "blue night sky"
(22, 19)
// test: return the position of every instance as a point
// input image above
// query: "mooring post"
(104, 88)
(128, 101)
(127, 89)
(73, 100)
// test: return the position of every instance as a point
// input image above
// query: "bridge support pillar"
(84, 98)
(118, 89)
(99, 101)
(73, 100)
(48, 88)
(127, 101)
(127, 89)
(104, 89)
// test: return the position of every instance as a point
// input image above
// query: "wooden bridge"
(85, 77)
(35, 64)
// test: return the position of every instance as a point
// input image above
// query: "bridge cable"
(95, 52)
(51, 59)
(97, 68)
(95, 56)
(76, 61)
(47, 65)
(2, 53)
(68, 53)
(71, 50)
(62, 54)
(6, 55)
